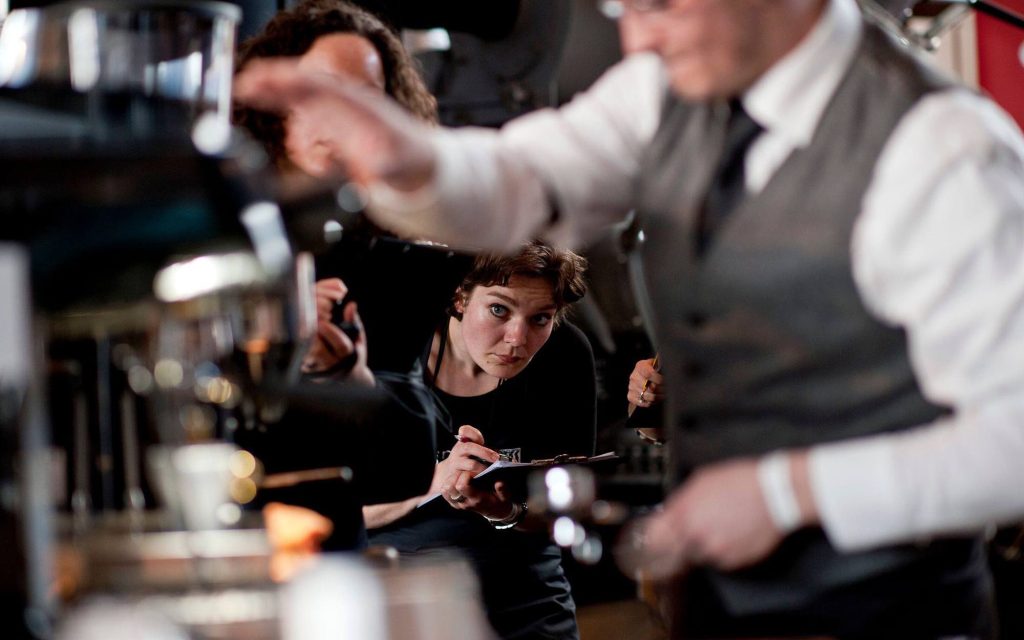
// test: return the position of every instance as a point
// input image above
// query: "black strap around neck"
(440, 353)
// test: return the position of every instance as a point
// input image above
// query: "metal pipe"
(991, 9)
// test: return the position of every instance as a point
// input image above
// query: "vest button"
(696, 320)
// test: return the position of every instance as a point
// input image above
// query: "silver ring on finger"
(640, 398)
(457, 498)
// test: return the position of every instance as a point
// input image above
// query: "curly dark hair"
(292, 32)
(562, 268)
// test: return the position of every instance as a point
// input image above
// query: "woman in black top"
(513, 383)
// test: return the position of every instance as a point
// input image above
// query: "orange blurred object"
(295, 533)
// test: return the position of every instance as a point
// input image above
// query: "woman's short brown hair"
(562, 268)
(292, 32)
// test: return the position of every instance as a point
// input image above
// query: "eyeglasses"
(615, 9)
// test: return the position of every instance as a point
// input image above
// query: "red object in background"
(1001, 60)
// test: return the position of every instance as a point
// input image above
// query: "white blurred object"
(420, 40)
(15, 356)
(206, 274)
(110, 620)
(433, 596)
(194, 481)
(426, 593)
(338, 598)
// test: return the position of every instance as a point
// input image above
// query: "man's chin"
(695, 91)
(699, 83)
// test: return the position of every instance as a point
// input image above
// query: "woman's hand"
(452, 477)
(645, 384)
(331, 346)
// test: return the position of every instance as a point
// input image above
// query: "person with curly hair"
(332, 37)
(339, 40)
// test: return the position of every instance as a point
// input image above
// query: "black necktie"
(729, 182)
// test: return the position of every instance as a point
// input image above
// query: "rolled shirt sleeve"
(939, 251)
(494, 189)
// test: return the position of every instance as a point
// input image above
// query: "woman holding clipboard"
(517, 382)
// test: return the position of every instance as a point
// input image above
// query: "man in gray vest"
(833, 262)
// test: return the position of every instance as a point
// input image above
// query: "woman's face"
(341, 55)
(504, 327)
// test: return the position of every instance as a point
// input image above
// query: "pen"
(647, 383)
(486, 463)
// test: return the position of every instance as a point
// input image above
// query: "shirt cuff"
(856, 490)
(434, 211)
(411, 214)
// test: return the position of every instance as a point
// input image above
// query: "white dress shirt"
(937, 249)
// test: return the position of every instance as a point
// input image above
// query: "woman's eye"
(542, 320)
(499, 310)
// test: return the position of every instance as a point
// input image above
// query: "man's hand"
(366, 135)
(719, 517)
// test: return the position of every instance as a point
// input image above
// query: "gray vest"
(764, 338)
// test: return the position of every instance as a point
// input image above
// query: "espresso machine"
(156, 308)
(153, 303)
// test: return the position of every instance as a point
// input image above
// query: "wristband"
(773, 474)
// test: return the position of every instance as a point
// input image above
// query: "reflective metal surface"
(171, 313)
(178, 51)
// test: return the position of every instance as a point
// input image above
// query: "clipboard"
(514, 474)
